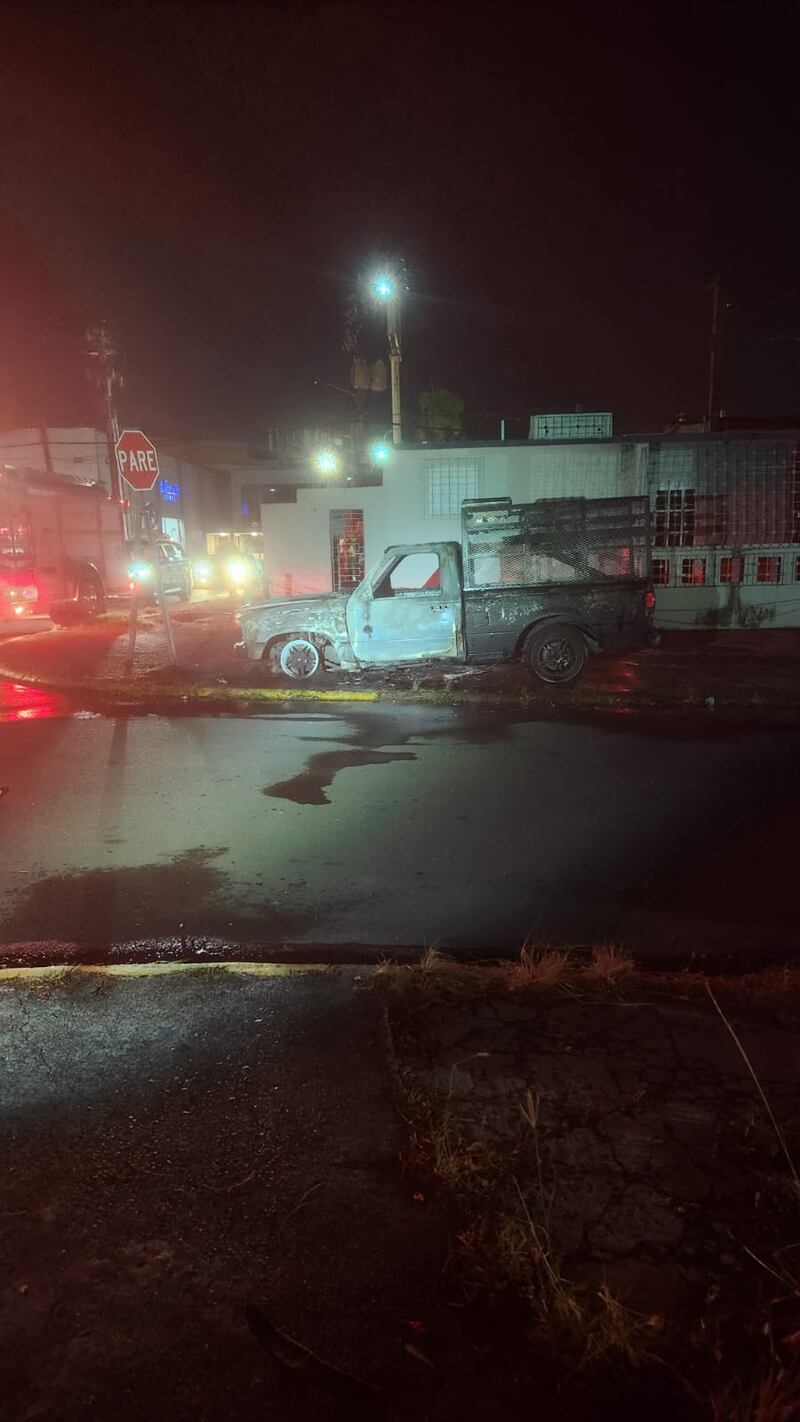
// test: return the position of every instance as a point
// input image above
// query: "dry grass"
(442, 1140)
(587, 1325)
(435, 975)
(609, 965)
(460, 1163)
(538, 966)
(779, 1135)
(581, 1324)
(773, 1396)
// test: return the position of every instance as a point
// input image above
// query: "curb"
(142, 694)
(57, 972)
(127, 693)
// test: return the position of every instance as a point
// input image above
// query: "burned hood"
(314, 604)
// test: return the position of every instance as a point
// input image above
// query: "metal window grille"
(347, 548)
(693, 572)
(675, 517)
(661, 572)
(731, 570)
(711, 520)
(768, 569)
(447, 483)
(744, 492)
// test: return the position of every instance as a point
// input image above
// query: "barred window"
(693, 572)
(661, 572)
(447, 483)
(768, 569)
(675, 512)
(731, 570)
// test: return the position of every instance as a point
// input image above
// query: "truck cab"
(409, 608)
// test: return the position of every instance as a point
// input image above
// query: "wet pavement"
(387, 828)
(223, 1141)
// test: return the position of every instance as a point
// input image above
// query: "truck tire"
(555, 654)
(296, 657)
(89, 595)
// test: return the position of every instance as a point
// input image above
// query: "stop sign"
(137, 460)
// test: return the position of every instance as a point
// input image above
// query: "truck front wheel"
(296, 657)
(555, 653)
(90, 594)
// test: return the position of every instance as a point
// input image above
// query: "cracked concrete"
(653, 1150)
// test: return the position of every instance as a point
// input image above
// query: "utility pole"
(386, 289)
(715, 352)
(395, 357)
(102, 370)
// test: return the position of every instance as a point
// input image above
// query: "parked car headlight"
(238, 570)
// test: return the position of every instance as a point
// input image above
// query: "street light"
(326, 462)
(385, 289)
(380, 452)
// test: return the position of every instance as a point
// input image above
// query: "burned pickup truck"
(549, 582)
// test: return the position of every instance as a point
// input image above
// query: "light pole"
(386, 290)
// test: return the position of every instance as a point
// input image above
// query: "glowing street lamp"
(384, 287)
(380, 452)
(326, 462)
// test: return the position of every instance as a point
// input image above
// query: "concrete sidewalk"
(742, 669)
(392, 1169)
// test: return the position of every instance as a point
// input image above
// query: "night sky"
(213, 179)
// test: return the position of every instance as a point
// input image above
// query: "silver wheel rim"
(299, 658)
(556, 659)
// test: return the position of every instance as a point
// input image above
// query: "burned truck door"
(409, 607)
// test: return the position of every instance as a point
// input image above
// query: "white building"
(726, 515)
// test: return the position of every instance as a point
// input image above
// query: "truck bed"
(496, 619)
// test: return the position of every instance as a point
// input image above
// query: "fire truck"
(62, 550)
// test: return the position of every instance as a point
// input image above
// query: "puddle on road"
(31, 703)
(184, 897)
(309, 786)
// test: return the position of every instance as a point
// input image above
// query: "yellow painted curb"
(54, 972)
(136, 691)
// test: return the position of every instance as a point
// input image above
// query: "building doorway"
(347, 548)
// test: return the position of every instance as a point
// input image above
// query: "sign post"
(137, 462)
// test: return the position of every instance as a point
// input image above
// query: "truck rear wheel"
(555, 654)
(296, 657)
(90, 595)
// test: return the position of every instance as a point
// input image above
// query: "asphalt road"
(387, 827)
